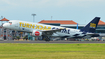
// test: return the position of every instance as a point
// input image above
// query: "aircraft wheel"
(47, 39)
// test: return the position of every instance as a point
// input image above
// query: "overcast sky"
(80, 11)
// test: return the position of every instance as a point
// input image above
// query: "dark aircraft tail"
(91, 27)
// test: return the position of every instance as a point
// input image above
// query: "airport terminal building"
(72, 24)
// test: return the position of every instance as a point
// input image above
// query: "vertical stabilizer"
(91, 27)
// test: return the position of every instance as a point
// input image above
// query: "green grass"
(52, 51)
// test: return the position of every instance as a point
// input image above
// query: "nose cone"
(5, 25)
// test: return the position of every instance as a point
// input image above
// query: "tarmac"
(61, 41)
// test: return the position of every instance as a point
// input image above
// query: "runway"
(65, 42)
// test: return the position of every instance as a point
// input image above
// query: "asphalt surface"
(68, 42)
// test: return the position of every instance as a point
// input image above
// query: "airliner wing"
(50, 32)
(55, 30)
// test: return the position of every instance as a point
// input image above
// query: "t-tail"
(91, 27)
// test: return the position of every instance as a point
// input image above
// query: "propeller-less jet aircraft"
(47, 31)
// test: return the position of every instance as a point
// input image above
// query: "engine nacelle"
(36, 33)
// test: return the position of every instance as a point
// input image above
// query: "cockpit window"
(10, 23)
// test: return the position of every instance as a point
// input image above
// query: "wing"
(50, 32)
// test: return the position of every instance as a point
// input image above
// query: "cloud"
(79, 3)
(8, 4)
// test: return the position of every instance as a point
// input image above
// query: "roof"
(101, 23)
(66, 22)
(4, 19)
(58, 21)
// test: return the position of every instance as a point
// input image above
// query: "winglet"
(91, 27)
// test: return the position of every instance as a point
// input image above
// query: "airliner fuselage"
(38, 29)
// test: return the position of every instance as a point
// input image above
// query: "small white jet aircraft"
(47, 31)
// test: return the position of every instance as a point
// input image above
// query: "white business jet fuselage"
(37, 29)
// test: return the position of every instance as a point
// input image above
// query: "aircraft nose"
(5, 25)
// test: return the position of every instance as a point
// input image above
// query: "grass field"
(52, 51)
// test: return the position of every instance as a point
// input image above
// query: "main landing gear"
(46, 38)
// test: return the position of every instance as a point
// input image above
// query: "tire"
(47, 39)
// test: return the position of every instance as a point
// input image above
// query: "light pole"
(33, 16)
(33, 22)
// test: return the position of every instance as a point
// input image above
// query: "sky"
(80, 11)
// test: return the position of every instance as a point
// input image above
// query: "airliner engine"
(36, 33)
